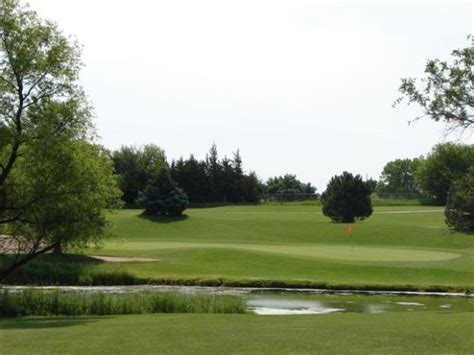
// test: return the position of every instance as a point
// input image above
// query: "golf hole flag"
(348, 229)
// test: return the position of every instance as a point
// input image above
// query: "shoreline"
(234, 290)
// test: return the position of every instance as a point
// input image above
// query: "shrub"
(162, 196)
(347, 198)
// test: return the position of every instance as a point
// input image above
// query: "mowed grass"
(403, 245)
(389, 333)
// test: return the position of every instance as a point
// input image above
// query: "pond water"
(305, 301)
(284, 304)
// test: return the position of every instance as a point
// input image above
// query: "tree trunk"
(4, 273)
(58, 250)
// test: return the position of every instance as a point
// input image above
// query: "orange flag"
(348, 229)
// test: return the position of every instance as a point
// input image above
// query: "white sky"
(300, 87)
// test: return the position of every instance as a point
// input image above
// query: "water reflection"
(284, 304)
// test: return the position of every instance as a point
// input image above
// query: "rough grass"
(45, 303)
(389, 333)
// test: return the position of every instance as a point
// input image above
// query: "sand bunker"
(123, 259)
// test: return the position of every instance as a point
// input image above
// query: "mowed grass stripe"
(320, 213)
(347, 252)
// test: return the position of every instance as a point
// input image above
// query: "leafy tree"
(135, 167)
(288, 184)
(54, 185)
(162, 196)
(347, 198)
(446, 163)
(460, 206)
(446, 94)
(398, 176)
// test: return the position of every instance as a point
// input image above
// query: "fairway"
(348, 252)
(390, 333)
(396, 247)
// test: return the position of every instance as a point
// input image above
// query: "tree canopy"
(136, 167)
(54, 183)
(398, 176)
(447, 92)
(288, 184)
(446, 163)
(460, 205)
(216, 180)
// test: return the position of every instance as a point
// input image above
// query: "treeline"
(433, 177)
(211, 180)
(216, 180)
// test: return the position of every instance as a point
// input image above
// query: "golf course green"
(395, 247)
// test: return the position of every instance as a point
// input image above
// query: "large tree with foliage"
(54, 184)
(460, 206)
(288, 184)
(347, 198)
(446, 163)
(136, 167)
(398, 176)
(447, 92)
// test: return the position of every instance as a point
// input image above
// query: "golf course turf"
(399, 247)
(415, 333)
(395, 247)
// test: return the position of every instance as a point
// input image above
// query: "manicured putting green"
(339, 252)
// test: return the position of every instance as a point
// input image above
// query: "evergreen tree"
(214, 171)
(347, 198)
(162, 196)
(251, 188)
(237, 192)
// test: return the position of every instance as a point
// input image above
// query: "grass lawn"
(395, 246)
(398, 247)
(397, 333)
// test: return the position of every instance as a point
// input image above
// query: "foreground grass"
(403, 247)
(43, 303)
(389, 333)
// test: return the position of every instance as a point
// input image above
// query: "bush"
(162, 196)
(347, 198)
(460, 206)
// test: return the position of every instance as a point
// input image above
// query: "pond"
(297, 304)
(304, 301)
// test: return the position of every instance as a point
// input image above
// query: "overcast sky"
(300, 87)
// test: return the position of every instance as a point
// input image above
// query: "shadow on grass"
(46, 322)
(68, 269)
(163, 219)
